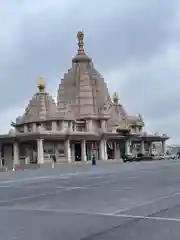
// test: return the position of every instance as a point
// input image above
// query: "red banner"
(94, 146)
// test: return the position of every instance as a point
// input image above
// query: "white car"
(173, 157)
(156, 157)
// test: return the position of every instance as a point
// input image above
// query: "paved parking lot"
(110, 201)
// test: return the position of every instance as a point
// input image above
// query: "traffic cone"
(15, 169)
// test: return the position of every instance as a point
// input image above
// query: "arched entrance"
(77, 151)
(111, 149)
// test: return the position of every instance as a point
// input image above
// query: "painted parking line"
(20, 183)
(22, 180)
(61, 189)
(91, 213)
(32, 196)
(123, 189)
(133, 177)
(91, 177)
(71, 188)
(149, 218)
(23, 184)
(28, 179)
(146, 203)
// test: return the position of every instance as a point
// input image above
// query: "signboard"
(94, 146)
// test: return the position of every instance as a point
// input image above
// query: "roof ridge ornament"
(115, 98)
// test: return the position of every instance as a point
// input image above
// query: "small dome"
(41, 107)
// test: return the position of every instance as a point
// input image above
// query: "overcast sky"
(135, 44)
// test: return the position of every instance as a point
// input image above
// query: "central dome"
(82, 88)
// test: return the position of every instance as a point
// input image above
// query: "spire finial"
(80, 38)
(41, 83)
(81, 55)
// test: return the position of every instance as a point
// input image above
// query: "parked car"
(172, 157)
(147, 157)
(161, 157)
(156, 157)
(139, 157)
(128, 158)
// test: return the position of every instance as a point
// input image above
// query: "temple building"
(84, 120)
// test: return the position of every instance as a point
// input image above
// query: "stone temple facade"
(85, 120)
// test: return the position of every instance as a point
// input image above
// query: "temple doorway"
(7, 155)
(110, 150)
(122, 148)
(77, 149)
(110, 153)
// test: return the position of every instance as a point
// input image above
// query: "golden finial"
(80, 38)
(115, 97)
(41, 83)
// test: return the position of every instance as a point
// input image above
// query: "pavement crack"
(163, 210)
(126, 224)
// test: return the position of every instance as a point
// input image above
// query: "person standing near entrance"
(53, 157)
(34, 157)
(93, 159)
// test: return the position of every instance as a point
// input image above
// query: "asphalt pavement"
(82, 202)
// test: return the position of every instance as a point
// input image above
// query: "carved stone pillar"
(71, 126)
(163, 147)
(102, 150)
(62, 126)
(142, 147)
(83, 151)
(16, 160)
(27, 158)
(73, 152)
(103, 125)
(128, 147)
(34, 127)
(40, 151)
(89, 126)
(105, 150)
(54, 126)
(117, 153)
(150, 148)
(68, 151)
(25, 128)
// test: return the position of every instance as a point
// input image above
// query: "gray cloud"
(137, 40)
(157, 84)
